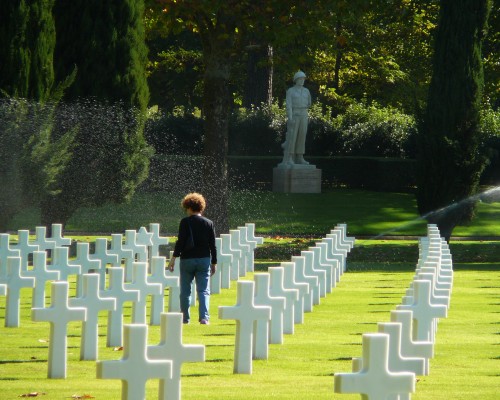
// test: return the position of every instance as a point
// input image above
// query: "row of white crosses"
(132, 283)
(16, 272)
(401, 349)
(275, 301)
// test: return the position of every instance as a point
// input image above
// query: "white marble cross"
(124, 254)
(424, 312)
(135, 368)
(140, 251)
(244, 238)
(335, 251)
(301, 276)
(158, 276)
(245, 251)
(246, 313)
(25, 247)
(41, 275)
(277, 289)
(224, 262)
(117, 290)
(410, 347)
(171, 348)
(60, 262)
(310, 270)
(140, 282)
(349, 240)
(304, 302)
(227, 248)
(15, 281)
(6, 252)
(251, 233)
(397, 361)
(328, 268)
(42, 241)
(277, 304)
(102, 254)
(86, 263)
(157, 240)
(93, 303)
(375, 381)
(335, 263)
(57, 236)
(59, 314)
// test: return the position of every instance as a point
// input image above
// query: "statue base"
(296, 178)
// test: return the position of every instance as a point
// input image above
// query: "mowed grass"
(466, 363)
(366, 213)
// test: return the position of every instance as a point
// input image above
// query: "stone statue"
(298, 101)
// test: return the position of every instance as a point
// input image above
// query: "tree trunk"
(449, 160)
(259, 77)
(217, 100)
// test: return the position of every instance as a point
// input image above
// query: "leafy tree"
(106, 103)
(450, 157)
(32, 158)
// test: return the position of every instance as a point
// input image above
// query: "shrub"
(370, 130)
(178, 132)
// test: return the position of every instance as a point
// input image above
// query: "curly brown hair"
(194, 201)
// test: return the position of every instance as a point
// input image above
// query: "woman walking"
(196, 247)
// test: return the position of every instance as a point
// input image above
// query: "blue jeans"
(199, 269)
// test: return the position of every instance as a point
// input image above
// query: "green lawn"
(465, 364)
(467, 352)
(366, 213)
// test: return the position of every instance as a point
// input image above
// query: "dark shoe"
(204, 322)
(185, 322)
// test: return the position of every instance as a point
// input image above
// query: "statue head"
(299, 75)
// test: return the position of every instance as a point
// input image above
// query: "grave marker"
(303, 288)
(140, 283)
(5, 253)
(328, 268)
(246, 313)
(227, 248)
(236, 243)
(398, 362)
(171, 348)
(124, 254)
(41, 275)
(158, 276)
(156, 239)
(410, 347)
(42, 241)
(277, 289)
(93, 303)
(135, 368)
(277, 304)
(106, 258)
(24, 247)
(86, 263)
(121, 294)
(60, 262)
(310, 270)
(301, 276)
(224, 260)
(375, 381)
(15, 282)
(59, 314)
(424, 312)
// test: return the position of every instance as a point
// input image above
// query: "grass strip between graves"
(465, 365)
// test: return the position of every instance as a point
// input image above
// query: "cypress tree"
(450, 158)
(32, 158)
(105, 41)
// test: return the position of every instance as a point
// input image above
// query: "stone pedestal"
(297, 179)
